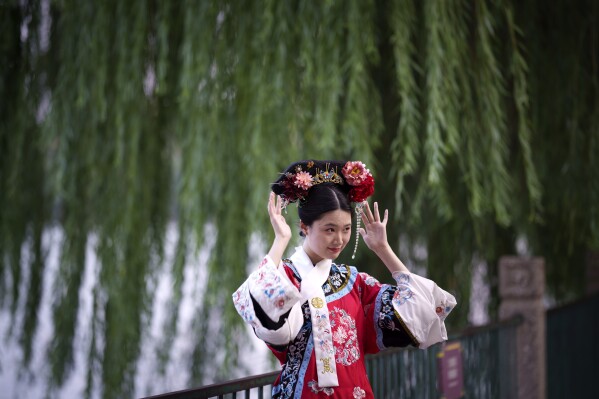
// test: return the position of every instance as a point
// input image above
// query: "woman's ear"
(303, 228)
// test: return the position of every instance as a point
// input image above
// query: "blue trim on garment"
(299, 387)
(295, 357)
(375, 319)
(348, 287)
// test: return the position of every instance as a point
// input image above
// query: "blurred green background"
(120, 120)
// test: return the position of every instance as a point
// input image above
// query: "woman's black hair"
(322, 198)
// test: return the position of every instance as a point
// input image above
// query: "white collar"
(313, 277)
(304, 265)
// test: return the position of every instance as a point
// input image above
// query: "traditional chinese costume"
(320, 320)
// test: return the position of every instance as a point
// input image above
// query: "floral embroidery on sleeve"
(264, 262)
(386, 321)
(241, 300)
(404, 290)
(271, 286)
(271, 290)
(369, 280)
(443, 310)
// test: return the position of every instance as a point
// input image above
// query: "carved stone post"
(521, 288)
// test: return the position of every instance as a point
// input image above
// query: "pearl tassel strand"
(358, 220)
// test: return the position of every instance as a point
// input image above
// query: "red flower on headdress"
(291, 191)
(355, 173)
(364, 190)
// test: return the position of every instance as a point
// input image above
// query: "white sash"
(311, 291)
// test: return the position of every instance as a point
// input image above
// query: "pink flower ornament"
(303, 180)
(355, 173)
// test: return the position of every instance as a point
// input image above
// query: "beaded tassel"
(358, 220)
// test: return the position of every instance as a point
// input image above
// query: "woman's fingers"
(369, 216)
(274, 204)
(271, 199)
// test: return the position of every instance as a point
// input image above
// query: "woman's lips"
(335, 250)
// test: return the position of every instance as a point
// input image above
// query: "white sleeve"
(276, 295)
(287, 332)
(423, 307)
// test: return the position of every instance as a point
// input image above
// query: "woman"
(320, 318)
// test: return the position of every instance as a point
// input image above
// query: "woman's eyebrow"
(335, 225)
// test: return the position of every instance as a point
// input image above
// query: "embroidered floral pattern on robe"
(345, 336)
(359, 393)
(369, 280)
(338, 279)
(315, 388)
(322, 325)
(387, 317)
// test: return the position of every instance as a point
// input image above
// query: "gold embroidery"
(317, 302)
(326, 365)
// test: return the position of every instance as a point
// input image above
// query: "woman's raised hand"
(375, 230)
(279, 224)
(375, 236)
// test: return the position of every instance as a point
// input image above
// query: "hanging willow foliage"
(479, 120)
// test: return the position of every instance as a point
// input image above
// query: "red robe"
(364, 318)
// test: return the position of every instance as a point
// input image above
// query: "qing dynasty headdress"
(351, 177)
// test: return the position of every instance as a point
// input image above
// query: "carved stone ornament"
(521, 277)
(521, 287)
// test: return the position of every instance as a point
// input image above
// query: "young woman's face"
(327, 236)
